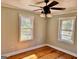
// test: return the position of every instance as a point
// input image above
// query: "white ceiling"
(70, 5)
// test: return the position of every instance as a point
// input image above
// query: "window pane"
(67, 25)
(66, 33)
(67, 38)
(26, 36)
(26, 31)
(26, 28)
(26, 23)
(66, 30)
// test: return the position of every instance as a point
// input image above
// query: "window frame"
(59, 29)
(32, 19)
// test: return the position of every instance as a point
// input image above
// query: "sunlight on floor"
(33, 56)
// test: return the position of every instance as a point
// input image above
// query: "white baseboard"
(28, 49)
(22, 50)
(63, 50)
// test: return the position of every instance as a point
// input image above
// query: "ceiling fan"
(46, 9)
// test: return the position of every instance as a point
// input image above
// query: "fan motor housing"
(46, 9)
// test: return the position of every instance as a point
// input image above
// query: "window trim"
(59, 29)
(19, 22)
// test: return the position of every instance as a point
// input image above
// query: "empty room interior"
(38, 29)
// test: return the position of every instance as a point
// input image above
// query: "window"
(26, 28)
(66, 29)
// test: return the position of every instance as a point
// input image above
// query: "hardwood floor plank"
(43, 53)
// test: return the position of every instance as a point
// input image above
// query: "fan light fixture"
(48, 15)
(46, 10)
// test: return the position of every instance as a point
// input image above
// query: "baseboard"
(63, 50)
(22, 50)
(28, 49)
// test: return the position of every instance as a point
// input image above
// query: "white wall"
(49, 32)
(52, 35)
(10, 37)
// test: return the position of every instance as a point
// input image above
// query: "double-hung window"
(26, 28)
(66, 29)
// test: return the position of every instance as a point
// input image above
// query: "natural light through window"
(26, 28)
(66, 29)
(33, 56)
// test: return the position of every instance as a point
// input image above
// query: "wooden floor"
(43, 53)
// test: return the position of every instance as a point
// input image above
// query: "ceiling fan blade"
(56, 8)
(37, 9)
(53, 3)
(39, 2)
(35, 6)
